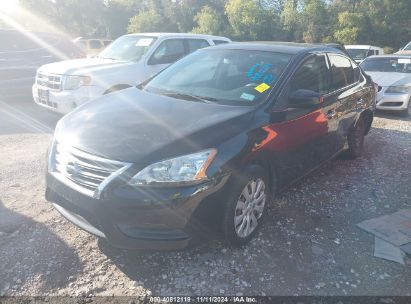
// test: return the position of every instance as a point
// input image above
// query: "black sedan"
(211, 139)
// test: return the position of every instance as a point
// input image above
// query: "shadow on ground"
(29, 250)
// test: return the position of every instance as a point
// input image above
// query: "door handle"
(360, 101)
(331, 114)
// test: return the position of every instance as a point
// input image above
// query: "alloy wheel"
(249, 208)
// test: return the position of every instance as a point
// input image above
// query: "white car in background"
(406, 50)
(392, 73)
(92, 46)
(360, 52)
(128, 61)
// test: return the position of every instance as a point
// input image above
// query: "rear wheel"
(356, 139)
(246, 206)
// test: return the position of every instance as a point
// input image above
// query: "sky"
(9, 6)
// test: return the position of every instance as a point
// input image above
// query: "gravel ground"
(309, 245)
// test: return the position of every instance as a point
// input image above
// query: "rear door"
(347, 92)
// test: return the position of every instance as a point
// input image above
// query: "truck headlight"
(184, 170)
(73, 82)
(398, 89)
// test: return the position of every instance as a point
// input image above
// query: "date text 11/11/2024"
(203, 299)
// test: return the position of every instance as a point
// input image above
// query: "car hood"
(82, 66)
(390, 79)
(140, 127)
(404, 52)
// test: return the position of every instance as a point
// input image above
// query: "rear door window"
(357, 71)
(195, 44)
(342, 71)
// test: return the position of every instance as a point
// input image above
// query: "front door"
(305, 136)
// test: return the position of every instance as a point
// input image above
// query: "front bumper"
(392, 102)
(155, 219)
(64, 102)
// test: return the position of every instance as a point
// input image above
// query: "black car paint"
(142, 128)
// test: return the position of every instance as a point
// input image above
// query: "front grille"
(85, 172)
(50, 81)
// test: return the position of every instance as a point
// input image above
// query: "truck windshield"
(358, 54)
(128, 48)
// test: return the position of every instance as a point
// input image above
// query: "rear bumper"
(393, 102)
(132, 218)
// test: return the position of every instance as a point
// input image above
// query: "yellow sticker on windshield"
(262, 87)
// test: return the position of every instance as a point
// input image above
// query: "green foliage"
(149, 21)
(315, 21)
(249, 21)
(350, 28)
(208, 22)
(377, 22)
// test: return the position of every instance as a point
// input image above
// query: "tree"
(315, 21)
(117, 15)
(150, 21)
(291, 20)
(249, 21)
(208, 22)
(352, 28)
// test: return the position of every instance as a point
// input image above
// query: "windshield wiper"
(99, 57)
(203, 99)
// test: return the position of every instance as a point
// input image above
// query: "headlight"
(187, 169)
(72, 82)
(398, 89)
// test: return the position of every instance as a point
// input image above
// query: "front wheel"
(356, 139)
(246, 206)
(407, 112)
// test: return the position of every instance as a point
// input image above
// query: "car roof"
(361, 46)
(390, 56)
(280, 47)
(185, 35)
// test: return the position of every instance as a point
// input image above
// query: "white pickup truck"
(128, 61)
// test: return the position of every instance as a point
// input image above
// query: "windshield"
(234, 77)
(387, 64)
(358, 54)
(128, 48)
(407, 47)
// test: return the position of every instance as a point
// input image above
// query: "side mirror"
(305, 99)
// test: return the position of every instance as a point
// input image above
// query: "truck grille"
(50, 81)
(87, 173)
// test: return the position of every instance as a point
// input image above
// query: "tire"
(407, 112)
(243, 215)
(355, 139)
